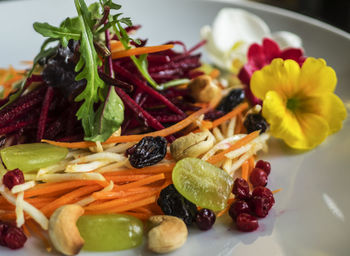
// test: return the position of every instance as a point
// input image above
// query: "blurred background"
(334, 12)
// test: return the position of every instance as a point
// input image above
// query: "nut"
(203, 89)
(192, 145)
(63, 230)
(167, 234)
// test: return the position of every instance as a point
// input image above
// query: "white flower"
(233, 31)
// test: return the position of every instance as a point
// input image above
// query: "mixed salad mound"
(104, 134)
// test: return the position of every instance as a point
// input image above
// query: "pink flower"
(262, 55)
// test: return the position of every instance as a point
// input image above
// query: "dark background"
(334, 12)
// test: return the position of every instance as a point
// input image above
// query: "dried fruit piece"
(205, 219)
(255, 122)
(149, 151)
(232, 100)
(13, 178)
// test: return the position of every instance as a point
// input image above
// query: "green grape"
(31, 157)
(202, 183)
(110, 232)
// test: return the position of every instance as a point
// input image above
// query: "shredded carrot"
(127, 178)
(239, 109)
(245, 140)
(37, 230)
(140, 50)
(161, 168)
(276, 191)
(25, 230)
(245, 169)
(119, 194)
(215, 73)
(148, 180)
(128, 138)
(251, 162)
(222, 212)
(239, 124)
(116, 45)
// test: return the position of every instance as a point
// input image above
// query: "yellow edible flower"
(299, 103)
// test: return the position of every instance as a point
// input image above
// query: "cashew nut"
(192, 145)
(203, 89)
(63, 230)
(168, 233)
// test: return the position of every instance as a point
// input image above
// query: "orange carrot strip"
(148, 180)
(146, 170)
(245, 169)
(276, 191)
(251, 162)
(140, 50)
(128, 138)
(118, 194)
(116, 45)
(68, 198)
(33, 226)
(118, 202)
(218, 157)
(222, 212)
(128, 207)
(239, 123)
(26, 231)
(239, 109)
(214, 73)
(127, 178)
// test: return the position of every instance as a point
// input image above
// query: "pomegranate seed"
(238, 207)
(261, 206)
(246, 222)
(264, 192)
(264, 165)
(241, 189)
(205, 219)
(14, 238)
(258, 177)
(13, 178)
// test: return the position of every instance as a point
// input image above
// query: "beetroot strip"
(44, 111)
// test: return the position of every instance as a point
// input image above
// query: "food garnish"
(105, 133)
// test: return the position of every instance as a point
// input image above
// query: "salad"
(105, 135)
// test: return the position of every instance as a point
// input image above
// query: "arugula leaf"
(87, 68)
(63, 33)
(110, 4)
(108, 118)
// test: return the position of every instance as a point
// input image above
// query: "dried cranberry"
(13, 178)
(264, 165)
(260, 205)
(205, 219)
(3, 229)
(246, 222)
(149, 151)
(14, 238)
(255, 122)
(241, 188)
(264, 192)
(238, 207)
(258, 177)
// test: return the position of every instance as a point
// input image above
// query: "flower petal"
(301, 130)
(233, 25)
(316, 78)
(287, 39)
(280, 76)
(271, 50)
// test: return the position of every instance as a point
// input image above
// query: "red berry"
(15, 238)
(238, 207)
(260, 205)
(3, 229)
(264, 192)
(246, 222)
(205, 219)
(266, 166)
(241, 189)
(13, 178)
(258, 177)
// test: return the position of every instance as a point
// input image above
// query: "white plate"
(311, 215)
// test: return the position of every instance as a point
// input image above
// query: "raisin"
(232, 100)
(13, 178)
(149, 151)
(173, 203)
(255, 122)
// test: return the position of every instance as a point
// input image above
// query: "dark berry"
(258, 177)
(232, 100)
(241, 188)
(148, 151)
(13, 178)
(3, 229)
(260, 205)
(264, 192)
(173, 203)
(264, 165)
(255, 122)
(205, 219)
(14, 238)
(246, 222)
(238, 207)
